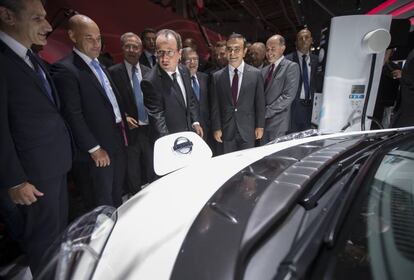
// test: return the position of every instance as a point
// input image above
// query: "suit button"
(235, 110)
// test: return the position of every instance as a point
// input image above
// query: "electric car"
(336, 206)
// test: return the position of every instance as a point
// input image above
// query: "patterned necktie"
(139, 99)
(177, 87)
(196, 87)
(269, 75)
(235, 86)
(38, 69)
(305, 77)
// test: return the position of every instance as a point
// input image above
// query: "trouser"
(108, 181)
(44, 220)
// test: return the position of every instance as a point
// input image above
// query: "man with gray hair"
(127, 77)
(199, 83)
(168, 94)
(281, 81)
(35, 145)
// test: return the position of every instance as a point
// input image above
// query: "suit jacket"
(302, 114)
(204, 102)
(279, 95)
(119, 75)
(166, 110)
(35, 142)
(405, 114)
(247, 114)
(86, 106)
(143, 60)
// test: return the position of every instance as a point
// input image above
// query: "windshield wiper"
(297, 261)
(329, 177)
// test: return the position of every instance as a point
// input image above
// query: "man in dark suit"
(405, 114)
(148, 57)
(94, 111)
(199, 83)
(127, 77)
(281, 84)
(238, 102)
(218, 58)
(35, 143)
(168, 95)
(301, 114)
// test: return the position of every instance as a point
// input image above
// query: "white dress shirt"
(180, 82)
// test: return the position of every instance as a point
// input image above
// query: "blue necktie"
(46, 86)
(196, 87)
(305, 77)
(139, 99)
(108, 89)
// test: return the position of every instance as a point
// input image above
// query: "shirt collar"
(240, 69)
(148, 54)
(85, 58)
(277, 62)
(300, 54)
(129, 65)
(14, 45)
(176, 71)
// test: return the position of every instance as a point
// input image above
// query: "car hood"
(152, 225)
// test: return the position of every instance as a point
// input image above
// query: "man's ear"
(245, 52)
(7, 17)
(180, 53)
(72, 36)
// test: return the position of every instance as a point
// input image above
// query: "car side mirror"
(178, 150)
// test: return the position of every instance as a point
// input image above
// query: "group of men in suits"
(103, 123)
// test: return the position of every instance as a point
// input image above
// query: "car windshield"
(379, 239)
(80, 247)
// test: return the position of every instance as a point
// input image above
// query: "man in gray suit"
(281, 84)
(237, 100)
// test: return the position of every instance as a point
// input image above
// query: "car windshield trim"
(303, 252)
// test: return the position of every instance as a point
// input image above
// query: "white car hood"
(152, 226)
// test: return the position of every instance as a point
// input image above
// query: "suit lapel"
(127, 82)
(314, 66)
(187, 84)
(84, 68)
(276, 73)
(245, 80)
(30, 72)
(168, 86)
(225, 84)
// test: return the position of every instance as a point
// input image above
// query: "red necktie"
(269, 76)
(235, 86)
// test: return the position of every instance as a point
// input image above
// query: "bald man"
(93, 109)
(257, 54)
(301, 114)
(281, 80)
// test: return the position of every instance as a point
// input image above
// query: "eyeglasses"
(161, 53)
(235, 50)
(191, 60)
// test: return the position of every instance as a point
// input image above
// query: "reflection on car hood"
(152, 226)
